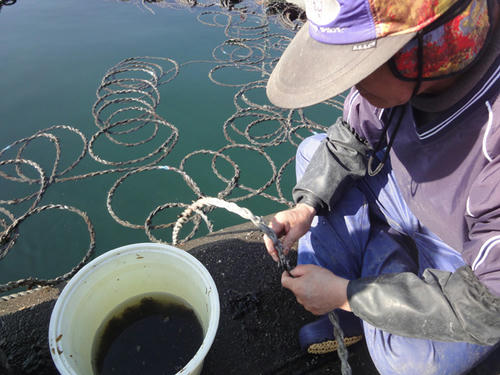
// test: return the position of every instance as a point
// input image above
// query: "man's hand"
(317, 289)
(291, 225)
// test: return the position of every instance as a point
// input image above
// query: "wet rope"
(8, 237)
(127, 104)
(245, 213)
(127, 119)
(283, 263)
(342, 352)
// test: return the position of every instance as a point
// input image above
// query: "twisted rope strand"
(283, 263)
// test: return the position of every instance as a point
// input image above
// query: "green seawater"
(54, 54)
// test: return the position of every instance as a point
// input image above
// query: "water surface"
(55, 54)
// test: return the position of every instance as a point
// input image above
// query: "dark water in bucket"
(155, 333)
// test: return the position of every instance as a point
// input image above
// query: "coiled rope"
(128, 124)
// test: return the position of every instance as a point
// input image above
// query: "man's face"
(383, 90)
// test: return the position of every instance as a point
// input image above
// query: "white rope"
(245, 213)
(283, 262)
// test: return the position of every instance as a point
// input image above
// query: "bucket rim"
(196, 361)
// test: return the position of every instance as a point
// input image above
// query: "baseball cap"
(342, 42)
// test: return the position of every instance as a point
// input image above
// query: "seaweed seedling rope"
(125, 114)
(283, 262)
(345, 368)
(241, 211)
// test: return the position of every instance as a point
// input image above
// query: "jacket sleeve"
(482, 246)
(441, 305)
(338, 162)
(342, 157)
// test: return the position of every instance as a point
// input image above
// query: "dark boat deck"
(258, 326)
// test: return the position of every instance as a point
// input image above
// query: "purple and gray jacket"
(448, 171)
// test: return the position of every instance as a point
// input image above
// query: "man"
(398, 205)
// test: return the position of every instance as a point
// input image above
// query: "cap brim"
(310, 72)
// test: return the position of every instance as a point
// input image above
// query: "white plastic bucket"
(117, 276)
